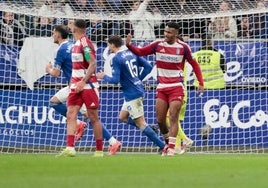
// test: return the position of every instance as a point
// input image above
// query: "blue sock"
(149, 132)
(131, 122)
(59, 107)
(105, 133)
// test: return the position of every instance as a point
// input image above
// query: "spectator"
(244, 28)
(11, 31)
(259, 22)
(43, 28)
(143, 21)
(99, 29)
(80, 5)
(225, 26)
(70, 25)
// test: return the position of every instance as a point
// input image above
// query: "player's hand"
(48, 67)
(128, 39)
(100, 75)
(200, 90)
(80, 86)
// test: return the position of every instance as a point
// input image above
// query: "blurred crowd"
(145, 19)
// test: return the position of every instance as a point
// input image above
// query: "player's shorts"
(171, 94)
(89, 97)
(63, 94)
(134, 108)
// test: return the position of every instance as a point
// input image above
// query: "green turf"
(134, 171)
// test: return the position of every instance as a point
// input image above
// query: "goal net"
(228, 120)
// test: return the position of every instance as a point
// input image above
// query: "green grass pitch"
(134, 171)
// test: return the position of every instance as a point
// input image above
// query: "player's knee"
(123, 119)
(53, 104)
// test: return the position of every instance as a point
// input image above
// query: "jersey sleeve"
(116, 71)
(88, 49)
(143, 51)
(59, 59)
(194, 64)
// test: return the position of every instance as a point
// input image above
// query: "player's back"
(129, 74)
(63, 59)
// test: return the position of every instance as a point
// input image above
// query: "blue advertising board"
(237, 117)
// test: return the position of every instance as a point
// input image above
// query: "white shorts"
(134, 108)
(63, 94)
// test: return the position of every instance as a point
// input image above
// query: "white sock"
(112, 141)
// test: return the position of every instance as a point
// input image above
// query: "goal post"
(229, 120)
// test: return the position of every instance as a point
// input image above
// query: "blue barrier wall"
(237, 117)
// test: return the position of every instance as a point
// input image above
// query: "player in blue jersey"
(63, 62)
(126, 68)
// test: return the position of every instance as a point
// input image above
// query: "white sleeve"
(138, 14)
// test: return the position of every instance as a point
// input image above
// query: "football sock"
(131, 122)
(105, 133)
(112, 141)
(59, 107)
(99, 145)
(70, 140)
(149, 132)
(171, 142)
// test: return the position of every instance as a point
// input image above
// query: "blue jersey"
(63, 59)
(126, 70)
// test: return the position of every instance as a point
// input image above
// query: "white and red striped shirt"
(170, 61)
(79, 63)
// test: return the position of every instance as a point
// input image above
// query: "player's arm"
(55, 70)
(196, 67)
(147, 67)
(139, 13)
(115, 78)
(146, 50)
(90, 58)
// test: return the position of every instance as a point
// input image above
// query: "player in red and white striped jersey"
(171, 54)
(84, 88)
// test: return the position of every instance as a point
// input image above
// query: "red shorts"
(171, 94)
(89, 97)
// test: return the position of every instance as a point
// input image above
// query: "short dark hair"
(63, 30)
(173, 25)
(82, 24)
(116, 40)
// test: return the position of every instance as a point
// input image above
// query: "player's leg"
(58, 102)
(114, 144)
(137, 113)
(175, 100)
(72, 113)
(185, 141)
(91, 100)
(161, 114)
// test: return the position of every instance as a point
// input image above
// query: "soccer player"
(63, 61)
(182, 140)
(83, 89)
(126, 71)
(171, 54)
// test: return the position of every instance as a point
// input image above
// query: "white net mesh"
(236, 116)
